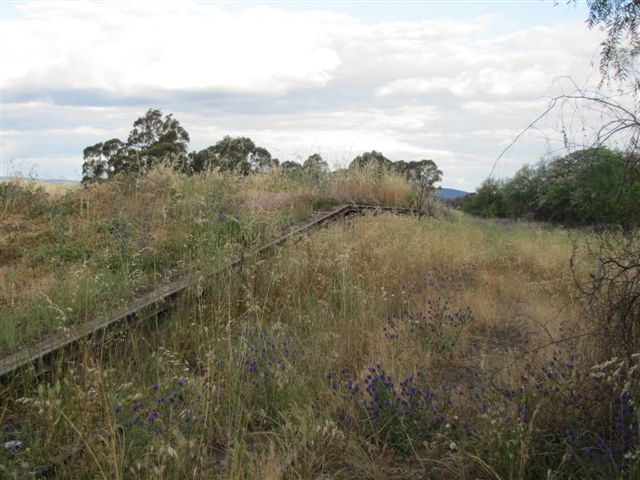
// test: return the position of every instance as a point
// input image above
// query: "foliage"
(487, 201)
(621, 48)
(155, 138)
(233, 154)
(371, 160)
(165, 411)
(160, 139)
(395, 414)
(423, 176)
(316, 164)
(370, 186)
(588, 416)
(292, 170)
(101, 160)
(23, 197)
(520, 193)
(233, 384)
(611, 287)
(290, 165)
(67, 256)
(593, 186)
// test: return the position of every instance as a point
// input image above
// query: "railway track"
(156, 303)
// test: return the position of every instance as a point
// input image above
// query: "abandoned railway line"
(159, 302)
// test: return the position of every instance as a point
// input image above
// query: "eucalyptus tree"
(155, 138)
(242, 155)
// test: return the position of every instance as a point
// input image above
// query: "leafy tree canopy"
(592, 186)
(99, 160)
(423, 171)
(315, 163)
(487, 201)
(620, 50)
(290, 165)
(370, 159)
(241, 155)
(157, 131)
(202, 160)
(423, 176)
(155, 138)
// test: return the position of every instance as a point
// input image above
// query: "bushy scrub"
(587, 187)
(401, 415)
(23, 197)
(562, 418)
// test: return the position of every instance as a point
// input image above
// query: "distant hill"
(450, 193)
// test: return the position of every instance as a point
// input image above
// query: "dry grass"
(370, 187)
(111, 241)
(51, 188)
(101, 244)
(331, 298)
(253, 375)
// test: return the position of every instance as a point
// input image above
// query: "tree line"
(157, 138)
(592, 186)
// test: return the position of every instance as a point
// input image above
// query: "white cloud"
(296, 82)
(132, 48)
(514, 66)
(504, 107)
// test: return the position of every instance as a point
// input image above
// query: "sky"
(452, 81)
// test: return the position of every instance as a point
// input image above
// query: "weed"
(434, 331)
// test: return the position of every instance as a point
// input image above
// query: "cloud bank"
(297, 82)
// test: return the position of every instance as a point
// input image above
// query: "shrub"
(26, 198)
(396, 415)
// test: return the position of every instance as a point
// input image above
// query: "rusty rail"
(157, 302)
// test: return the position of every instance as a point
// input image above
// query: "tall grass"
(381, 347)
(70, 255)
(388, 347)
(370, 186)
(75, 254)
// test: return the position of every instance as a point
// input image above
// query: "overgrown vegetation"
(159, 139)
(386, 347)
(69, 256)
(595, 186)
(381, 347)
